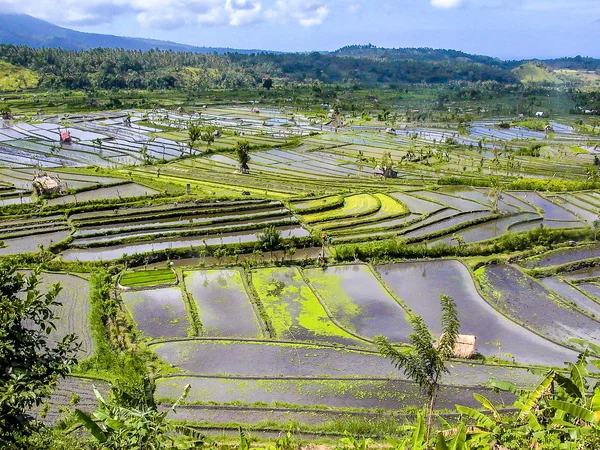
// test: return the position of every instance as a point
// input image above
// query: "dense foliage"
(30, 363)
(155, 69)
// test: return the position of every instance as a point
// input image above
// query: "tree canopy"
(30, 361)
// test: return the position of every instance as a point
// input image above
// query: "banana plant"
(417, 439)
(117, 427)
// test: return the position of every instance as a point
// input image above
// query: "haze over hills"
(22, 29)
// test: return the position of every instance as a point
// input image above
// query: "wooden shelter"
(45, 184)
(465, 346)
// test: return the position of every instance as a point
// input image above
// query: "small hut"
(45, 184)
(465, 346)
(384, 172)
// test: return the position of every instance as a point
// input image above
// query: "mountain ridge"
(22, 29)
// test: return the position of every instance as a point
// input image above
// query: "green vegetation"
(14, 78)
(425, 362)
(354, 206)
(262, 169)
(32, 362)
(536, 73)
(147, 278)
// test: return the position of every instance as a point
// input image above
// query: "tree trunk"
(430, 413)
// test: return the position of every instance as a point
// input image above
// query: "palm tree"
(424, 362)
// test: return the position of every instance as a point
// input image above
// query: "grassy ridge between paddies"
(147, 278)
(319, 204)
(13, 78)
(354, 206)
(389, 208)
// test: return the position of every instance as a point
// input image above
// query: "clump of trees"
(242, 153)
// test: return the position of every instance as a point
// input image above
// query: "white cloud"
(354, 8)
(165, 14)
(242, 12)
(169, 14)
(307, 13)
(446, 4)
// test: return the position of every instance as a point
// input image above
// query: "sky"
(508, 29)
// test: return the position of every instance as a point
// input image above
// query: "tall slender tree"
(424, 361)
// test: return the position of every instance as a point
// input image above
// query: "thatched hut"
(45, 184)
(465, 346)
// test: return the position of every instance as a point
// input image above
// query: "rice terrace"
(258, 248)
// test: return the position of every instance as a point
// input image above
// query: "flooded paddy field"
(117, 251)
(573, 295)
(344, 393)
(294, 310)
(419, 285)
(158, 313)
(122, 191)
(540, 310)
(261, 325)
(74, 311)
(359, 303)
(29, 244)
(255, 359)
(564, 256)
(224, 307)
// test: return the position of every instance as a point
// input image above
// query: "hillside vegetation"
(13, 78)
(536, 73)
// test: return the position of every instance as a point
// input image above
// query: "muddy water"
(417, 205)
(565, 256)
(571, 294)
(453, 202)
(159, 313)
(29, 244)
(223, 304)
(337, 393)
(539, 309)
(487, 230)
(591, 289)
(268, 359)
(444, 224)
(420, 285)
(551, 210)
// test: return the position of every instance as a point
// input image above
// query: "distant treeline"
(431, 54)
(155, 69)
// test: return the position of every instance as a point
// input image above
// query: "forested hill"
(430, 54)
(418, 54)
(21, 29)
(117, 68)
